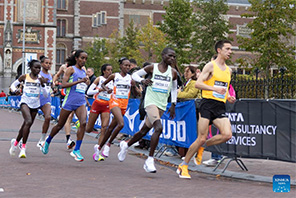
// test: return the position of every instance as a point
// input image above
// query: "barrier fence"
(263, 129)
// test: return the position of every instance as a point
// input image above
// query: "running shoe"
(198, 158)
(70, 144)
(77, 156)
(45, 148)
(210, 162)
(149, 165)
(101, 158)
(22, 153)
(20, 144)
(106, 150)
(182, 171)
(12, 147)
(123, 151)
(97, 153)
(40, 143)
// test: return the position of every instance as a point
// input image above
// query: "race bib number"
(161, 83)
(122, 91)
(81, 87)
(32, 89)
(104, 96)
(220, 84)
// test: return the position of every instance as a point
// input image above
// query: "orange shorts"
(118, 103)
(99, 108)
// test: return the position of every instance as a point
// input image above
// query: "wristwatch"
(173, 103)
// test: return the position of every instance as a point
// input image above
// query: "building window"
(61, 27)
(61, 54)
(62, 4)
(99, 19)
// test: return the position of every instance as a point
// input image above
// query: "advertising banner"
(261, 129)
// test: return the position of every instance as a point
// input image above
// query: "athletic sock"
(184, 163)
(67, 137)
(48, 140)
(15, 143)
(23, 146)
(109, 144)
(78, 144)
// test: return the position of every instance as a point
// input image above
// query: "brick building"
(55, 27)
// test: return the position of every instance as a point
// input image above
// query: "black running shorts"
(212, 109)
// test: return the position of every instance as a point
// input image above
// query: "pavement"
(259, 170)
(57, 174)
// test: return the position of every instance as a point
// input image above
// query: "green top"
(158, 93)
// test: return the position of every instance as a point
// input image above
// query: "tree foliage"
(210, 27)
(152, 42)
(273, 28)
(96, 54)
(178, 27)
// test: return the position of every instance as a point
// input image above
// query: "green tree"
(130, 43)
(178, 27)
(272, 32)
(113, 46)
(152, 42)
(210, 27)
(124, 46)
(96, 54)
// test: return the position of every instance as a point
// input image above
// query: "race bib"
(81, 87)
(122, 91)
(32, 89)
(220, 84)
(161, 83)
(104, 96)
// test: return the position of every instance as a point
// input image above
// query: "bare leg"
(104, 124)
(155, 136)
(203, 127)
(139, 135)
(29, 117)
(116, 111)
(46, 109)
(81, 114)
(68, 123)
(64, 114)
(224, 126)
(91, 122)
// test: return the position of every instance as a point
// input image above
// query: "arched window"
(61, 53)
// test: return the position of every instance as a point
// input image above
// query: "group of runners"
(111, 93)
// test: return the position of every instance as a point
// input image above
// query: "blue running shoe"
(77, 156)
(45, 148)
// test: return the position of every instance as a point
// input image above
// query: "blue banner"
(3, 102)
(181, 131)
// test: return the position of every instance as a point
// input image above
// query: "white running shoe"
(106, 150)
(123, 151)
(40, 144)
(96, 155)
(70, 144)
(210, 162)
(149, 165)
(23, 153)
(12, 147)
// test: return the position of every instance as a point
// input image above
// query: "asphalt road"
(57, 174)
